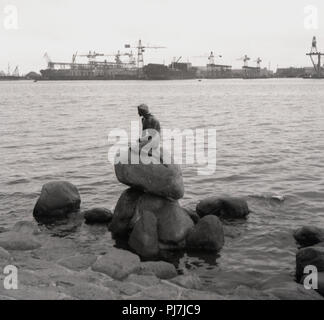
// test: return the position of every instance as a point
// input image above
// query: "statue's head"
(143, 110)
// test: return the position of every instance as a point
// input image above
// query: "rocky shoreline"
(53, 267)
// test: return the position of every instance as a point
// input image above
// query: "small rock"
(226, 208)
(4, 254)
(310, 256)
(144, 280)
(79, 262)
(28, 227)
(188, 281)
(56, 201)
(3, 229)
(207, 235)
(309, 236)
(144, 238)
(18, 241)
(161, 291)
(98, 215)
(161, 269)
(117, 264)
(91, 292)
(293, 291)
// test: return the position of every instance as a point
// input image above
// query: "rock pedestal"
(164, 180)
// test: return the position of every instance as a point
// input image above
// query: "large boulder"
(170, 220)
(144, 238)
(56, 201)
(160, 223)
(122, 222)
(309, 236)
(98, 215)
(207, 235)
(310, 256)
(226, 208)
(160, 179)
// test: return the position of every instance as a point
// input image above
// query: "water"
(269, 142)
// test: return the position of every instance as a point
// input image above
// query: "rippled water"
(269, 142)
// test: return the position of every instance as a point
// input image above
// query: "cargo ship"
(175, 71)
(93, 70)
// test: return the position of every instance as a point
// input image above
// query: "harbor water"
(270, 151)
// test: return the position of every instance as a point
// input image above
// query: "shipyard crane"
(140, 51)
(92, 56)
(48, 60)
(120, 54)
(246, 60)
(74, 57)
(210, 57)
(258, 61)
(16, 72)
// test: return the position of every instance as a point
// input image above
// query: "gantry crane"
(246, 60)
(140, 52)
(258, 62)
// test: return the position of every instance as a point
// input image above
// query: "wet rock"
(4, 254)
(200, 295)
(193, 215)
(293, 291)
(143, 280)
(117, 264)
(78, 262)
(2, 229)
(161, 269)
(163, 180)
(29, 227)
(18, 241)
(309, 236)
(189, 281)
(225, 208)
(173, 223)
(310, 256)
(122, 288)
(122, 223)
(98, 215)
(207, 235)
(56, 201)
(161, 291)
(92, 292)
(144, 237)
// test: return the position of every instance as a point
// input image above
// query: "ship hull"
(72, 75)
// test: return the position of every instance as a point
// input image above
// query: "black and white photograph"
(161, 150)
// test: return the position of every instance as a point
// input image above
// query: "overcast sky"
(273, 30)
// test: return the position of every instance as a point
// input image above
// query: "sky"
(273, 30)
